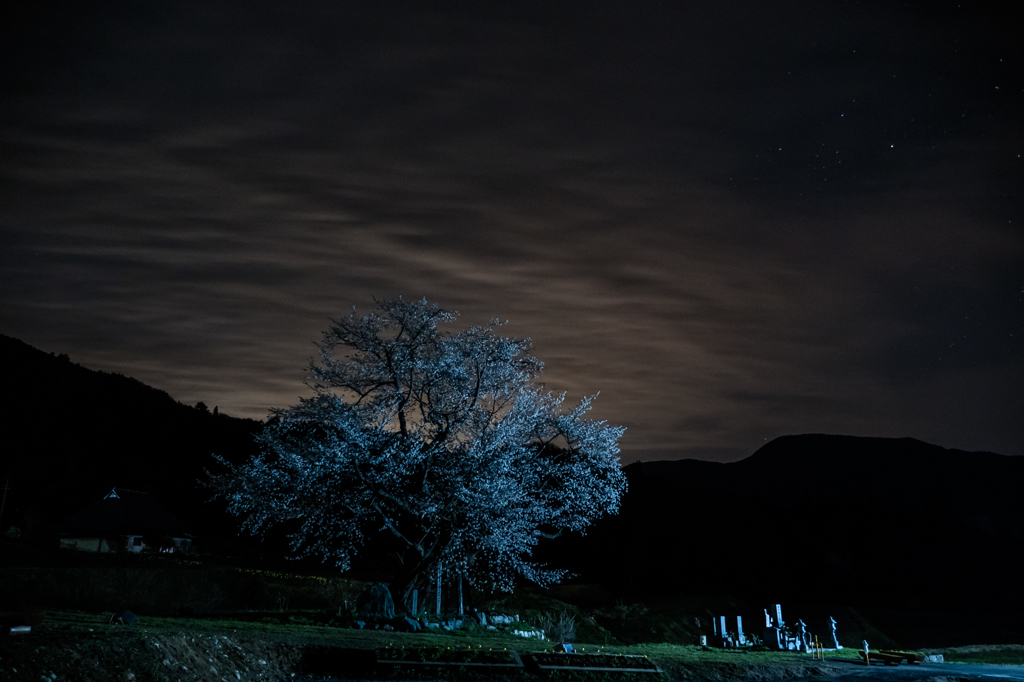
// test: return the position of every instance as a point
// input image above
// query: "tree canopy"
(441, 439)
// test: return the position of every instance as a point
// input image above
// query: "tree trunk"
(413, 577)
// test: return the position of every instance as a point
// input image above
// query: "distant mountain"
(892, 526)
(871, 522)
(982, 489)
(68, 434)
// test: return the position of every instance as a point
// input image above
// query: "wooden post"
(438, 588)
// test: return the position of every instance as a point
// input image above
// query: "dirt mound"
(144, 656)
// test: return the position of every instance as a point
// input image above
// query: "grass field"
(85, 646)
(298, 633)
(260, 624)
(1003, 654)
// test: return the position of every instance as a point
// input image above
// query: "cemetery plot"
(594, 663)
(482, 660)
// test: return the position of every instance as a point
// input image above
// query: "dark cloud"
(735, 222)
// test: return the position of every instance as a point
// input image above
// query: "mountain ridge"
(872, 522)
(883, 523)
(820, 468)
(71, 433)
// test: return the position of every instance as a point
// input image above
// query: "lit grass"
(695, 654)
(368, 639)
(293, 633)
(667, 656)
(1008, 654)
(670, 657)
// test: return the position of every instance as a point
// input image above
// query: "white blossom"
(440, 439)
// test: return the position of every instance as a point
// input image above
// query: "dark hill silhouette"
(877, 523)
(904, 473)
(897, 527)
(69, 434)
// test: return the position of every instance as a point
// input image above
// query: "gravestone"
(774, 631)
(482, 617)
(376, 602)
(835, 641)
(801, 638)
(740, 639)
(721, 628)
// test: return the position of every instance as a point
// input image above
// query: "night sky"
(735, 220)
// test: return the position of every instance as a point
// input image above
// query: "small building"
(125, 521)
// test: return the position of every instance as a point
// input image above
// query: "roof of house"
(124, 512)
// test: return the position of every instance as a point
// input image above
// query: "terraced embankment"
(87, 649)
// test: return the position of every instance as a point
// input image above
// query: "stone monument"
(376, 602)
(772, 636)
(774, 629)
(835, 641)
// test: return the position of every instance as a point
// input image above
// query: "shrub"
(560, 628)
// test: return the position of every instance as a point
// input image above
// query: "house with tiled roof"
(125, 521)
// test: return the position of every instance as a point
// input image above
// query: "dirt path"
(925, 672)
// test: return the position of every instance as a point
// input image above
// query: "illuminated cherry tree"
(440, 439)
